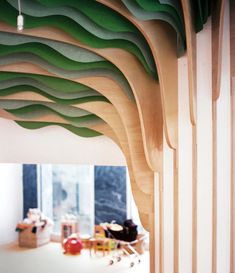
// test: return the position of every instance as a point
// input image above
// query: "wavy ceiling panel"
(138, 46)
(79, 58)
(102, 30)
(153, 10)
(92, 24)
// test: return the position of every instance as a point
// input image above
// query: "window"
(93, 194)
(72, 191)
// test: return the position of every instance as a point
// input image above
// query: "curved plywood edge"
(125, 108)
(143, 201)
(145, 88)
(191, 53)
(26, 95)
(109, 114)
(153, 144)
(48, 118)
(162, 41)
(24, 67)
(217, 37)
(53, 120)
(129, 117)
(144, 178)
(147, 95)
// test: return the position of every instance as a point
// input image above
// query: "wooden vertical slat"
(191, 53)
(217, 41)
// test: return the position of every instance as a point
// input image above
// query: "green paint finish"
(9, 14)
(64, 110)
(22, 88)
(100, 14)
(35, 9)
(73, 52)
(83, 132)
(56, 87)
(153, 5)
(39, 110)
(177, 25)
(173, 3)
(53, 57)
(56, 63)
(61, 85)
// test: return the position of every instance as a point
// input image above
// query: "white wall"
(55, 145)
(204, 150)
(11, 201)
(185, 170)
(223, 157)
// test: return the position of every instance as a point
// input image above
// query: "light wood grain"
(232, 37)
(217, 39)
(162, 41)
(191, 54)
(109, 114)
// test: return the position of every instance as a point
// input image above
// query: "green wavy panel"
(22, 88)
(57, 64)
(156, 6)
(35, 111)
(9, 13)
(83, 132)
(72, 52)
(62, 85)
(100, 14)
(37, 10)
(64, 110)
(162, 15)
(69, 74)
(57, 87)
(53, 57)
(73, 116)
(176, 4)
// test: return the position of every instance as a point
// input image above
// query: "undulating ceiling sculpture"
(99, 67)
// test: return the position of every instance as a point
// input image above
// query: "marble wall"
(110, 194)
(29, 187)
